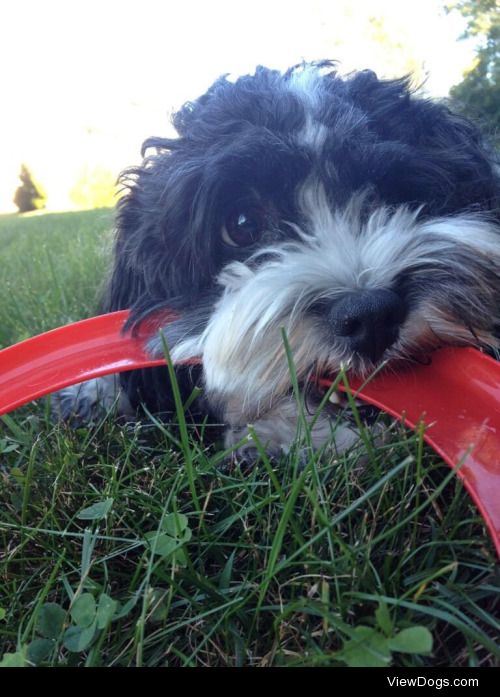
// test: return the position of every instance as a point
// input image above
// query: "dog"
(347, 214)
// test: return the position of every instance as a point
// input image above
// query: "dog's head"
(358, 218)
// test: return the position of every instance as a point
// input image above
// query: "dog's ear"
(158, 257)
(437, 156)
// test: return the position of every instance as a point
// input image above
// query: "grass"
(52, 270)
(129, 546)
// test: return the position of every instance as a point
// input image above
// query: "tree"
(478, 95)
(30, 196)
(95, 188)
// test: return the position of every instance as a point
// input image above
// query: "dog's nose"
(368, 320)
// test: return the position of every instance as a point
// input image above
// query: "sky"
(84, 83)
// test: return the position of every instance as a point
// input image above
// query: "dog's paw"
(89, 401)
(241, 460)
(245, 455)
(277, 430)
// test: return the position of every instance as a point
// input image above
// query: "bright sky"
(84, 83)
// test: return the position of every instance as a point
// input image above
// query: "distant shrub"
(30, 196)
(95, 188)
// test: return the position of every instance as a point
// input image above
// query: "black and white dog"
(359, 218)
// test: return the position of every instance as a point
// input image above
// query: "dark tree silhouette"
(30, 196)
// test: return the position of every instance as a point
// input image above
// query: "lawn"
(134, 546)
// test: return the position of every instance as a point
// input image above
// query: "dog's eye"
(243, 227)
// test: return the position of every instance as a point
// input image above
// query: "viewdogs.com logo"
(437, 683)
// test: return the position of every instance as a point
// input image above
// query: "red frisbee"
(457, 396)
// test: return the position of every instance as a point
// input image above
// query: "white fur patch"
(306, 85)
(312, 136)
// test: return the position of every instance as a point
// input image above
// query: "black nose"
(368, 320)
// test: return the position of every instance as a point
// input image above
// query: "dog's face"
(353, 217)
